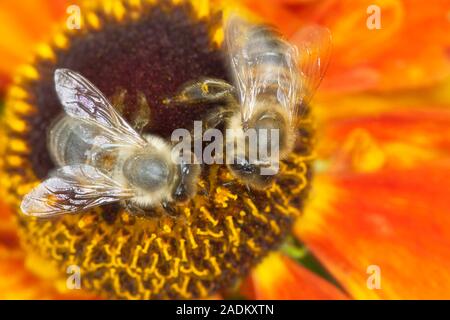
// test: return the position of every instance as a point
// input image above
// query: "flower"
(382, 159)
(132, 50)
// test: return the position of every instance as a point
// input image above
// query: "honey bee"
(103, 160)
(273, 81)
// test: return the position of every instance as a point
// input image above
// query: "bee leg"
(217, 117)
(142, 116)
(118, 101)
(169, 208)
(205, 90)
(134, 209)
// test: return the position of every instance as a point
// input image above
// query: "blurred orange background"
(380, 195)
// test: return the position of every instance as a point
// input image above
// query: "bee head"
(252, 174)
(253, 147)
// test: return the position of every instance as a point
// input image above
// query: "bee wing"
(82, 100)
(261, 62)
(314, 44)
(73, 189)
(236, 38)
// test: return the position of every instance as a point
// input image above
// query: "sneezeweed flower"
(381, 162)
(206, 245)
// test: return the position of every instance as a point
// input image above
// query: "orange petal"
(22, 28)
(382, 201)
(393, 140)
(402, 54)
(16, 282)
(279, 277)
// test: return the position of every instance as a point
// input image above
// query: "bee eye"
(147, 172)
(184, 187)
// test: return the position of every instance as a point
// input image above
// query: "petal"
(394, 140)
(17, 282)
(402, 54)
(279, 277)
(381, 201)
(21, 29)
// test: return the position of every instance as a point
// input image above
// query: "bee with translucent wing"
(272, 81)
(103, 160)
